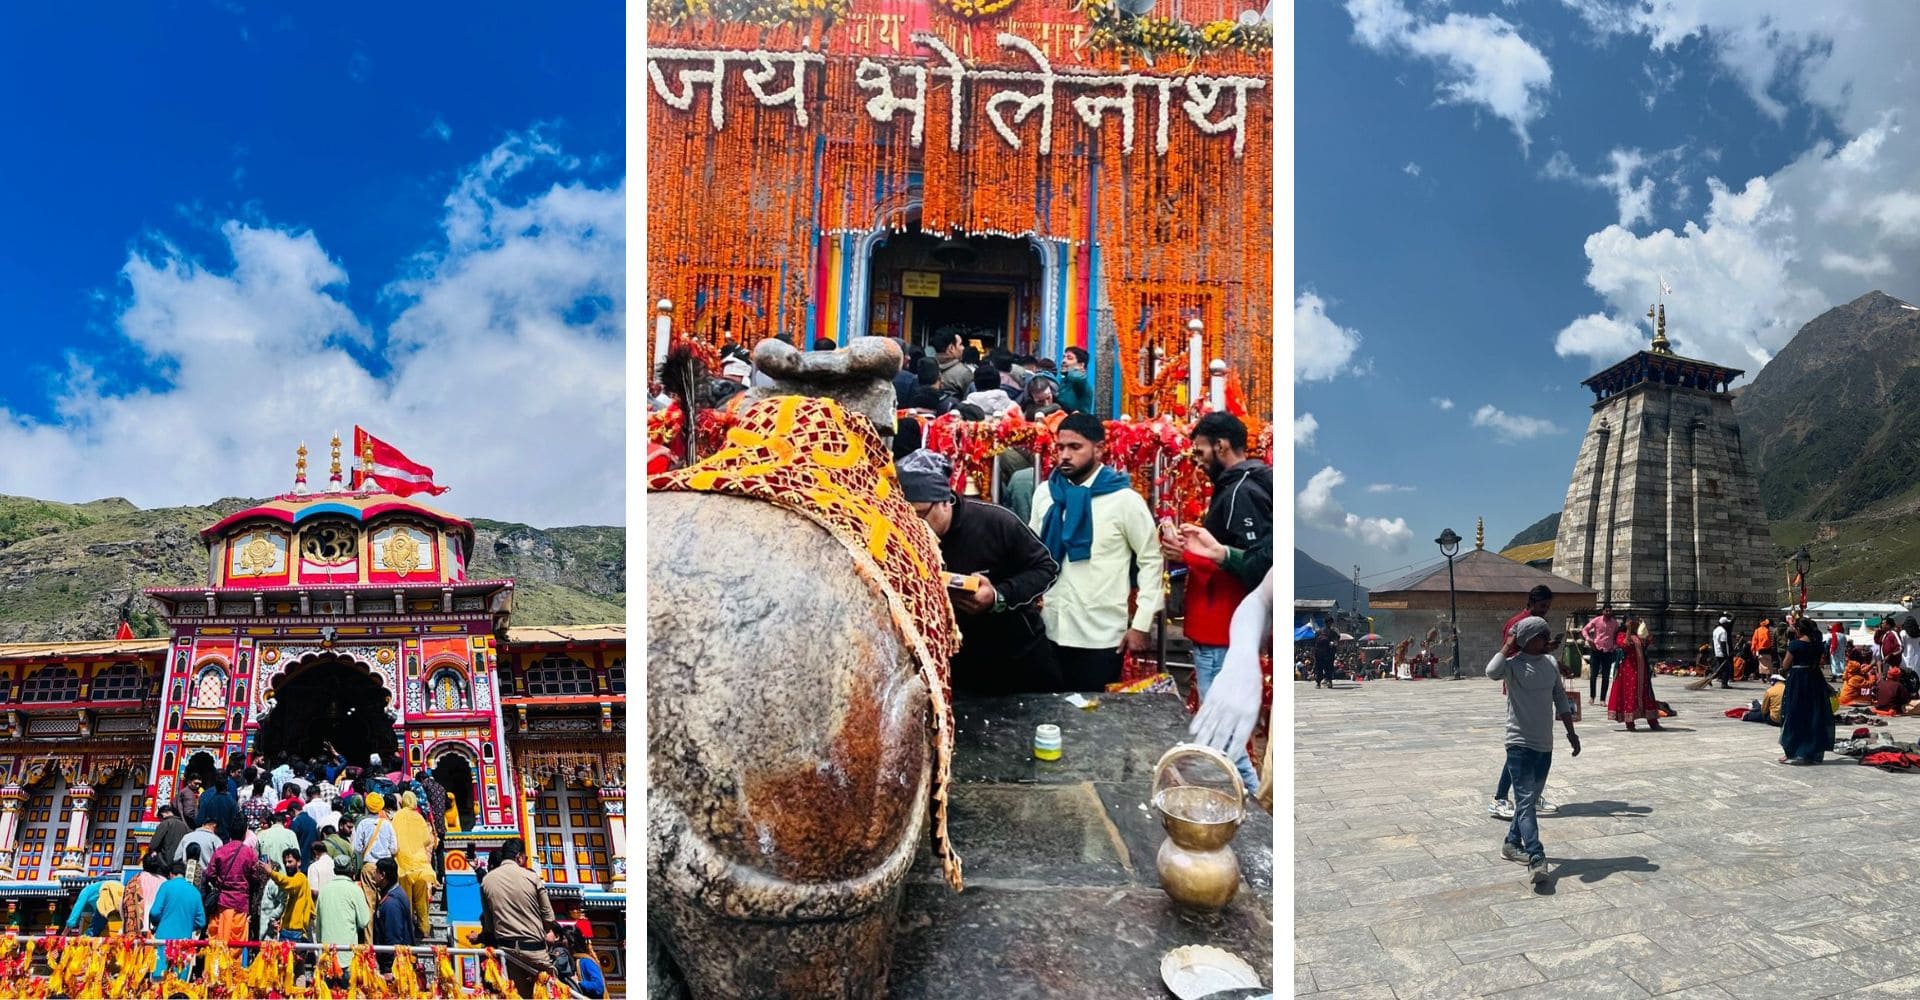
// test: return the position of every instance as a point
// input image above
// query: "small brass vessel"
(1197, 867)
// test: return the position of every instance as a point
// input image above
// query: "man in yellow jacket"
(299, 908)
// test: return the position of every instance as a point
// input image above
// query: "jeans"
(1529, 770)
(1600, 675)
(1207, 661)
(1506, 782)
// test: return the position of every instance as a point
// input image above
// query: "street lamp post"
(1802, 559)
(1450, 545)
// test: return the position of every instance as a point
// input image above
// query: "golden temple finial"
(333, 479)
(1479, 533)
(366, 465)
(300, 469)
(1660, 344)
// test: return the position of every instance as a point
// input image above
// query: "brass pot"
(1197, 867)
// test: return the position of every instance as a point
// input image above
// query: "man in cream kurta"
(1098, 530)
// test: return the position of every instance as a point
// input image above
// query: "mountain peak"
(1831, 422)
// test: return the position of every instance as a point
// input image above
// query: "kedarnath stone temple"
(343, 618)
(1663, 516)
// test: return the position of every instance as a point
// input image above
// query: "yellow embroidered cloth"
(812, 457)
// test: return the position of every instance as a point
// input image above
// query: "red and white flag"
(392, 471)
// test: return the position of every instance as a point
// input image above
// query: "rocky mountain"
(1544, 530)
(1314, 580)
(1832, 423)
(68, 570)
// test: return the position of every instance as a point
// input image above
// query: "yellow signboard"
(920, 284)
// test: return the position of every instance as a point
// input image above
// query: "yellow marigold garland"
(122, 967)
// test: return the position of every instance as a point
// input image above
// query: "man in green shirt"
(341, 915)
(1076, 385)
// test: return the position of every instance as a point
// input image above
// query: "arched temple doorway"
(454, 772)
(203, 766)
(332, 700)
(994, 290)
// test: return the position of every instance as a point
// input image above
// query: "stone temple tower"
(1663, 515)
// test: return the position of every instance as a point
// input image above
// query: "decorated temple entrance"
(331, 700)
(455, 774)
(986, 289)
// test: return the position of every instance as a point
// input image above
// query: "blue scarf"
(1067, 531)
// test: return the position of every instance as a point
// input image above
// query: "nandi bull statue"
(798, 730)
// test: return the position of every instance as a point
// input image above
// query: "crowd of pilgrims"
(319, 851)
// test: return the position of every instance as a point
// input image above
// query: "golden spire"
(300, 469)
(1479, 533)
(366, 465)
(333, 479)
(1660, 345)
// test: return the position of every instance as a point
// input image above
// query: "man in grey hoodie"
(1534, 699)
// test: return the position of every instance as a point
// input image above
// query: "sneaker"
(1545, 808)
(1537, 870)
(1500, 809)
(1513, 852)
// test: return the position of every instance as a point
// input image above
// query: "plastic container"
(1046, 742)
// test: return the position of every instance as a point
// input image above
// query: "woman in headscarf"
(1806, 706)
(1631, 698)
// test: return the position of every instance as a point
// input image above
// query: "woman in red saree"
(1631, 698)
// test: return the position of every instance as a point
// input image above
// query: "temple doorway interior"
(201, 765)
(335, 701)
(986, 289)
(455, 774)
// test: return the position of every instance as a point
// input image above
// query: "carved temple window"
(51, 684)
(209, 688)
(449, 691)
(120, 682)
(559, 675)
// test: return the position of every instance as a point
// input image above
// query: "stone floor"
(1686, 864)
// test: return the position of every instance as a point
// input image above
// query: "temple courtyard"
(1685, 864)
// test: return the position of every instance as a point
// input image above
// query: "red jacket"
(1212, 594)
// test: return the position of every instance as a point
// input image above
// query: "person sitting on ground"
(1856, 688)
(1770, 701)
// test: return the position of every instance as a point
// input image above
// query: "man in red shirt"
(1539, 602)
(1228, 555)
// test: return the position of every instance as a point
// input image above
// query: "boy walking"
(1534, 698)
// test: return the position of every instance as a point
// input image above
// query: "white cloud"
(1509, 427)
(439, 129)
(1599, 337)
(1304, 428)
(1738, 296)
(1389, 488)
(1481, 59)
(503, 367)
(1772, 252)
(1865, 267)
(1442, 402)
(1322, 349)
(1316, 506)
(1412, 169)
(1633, 199)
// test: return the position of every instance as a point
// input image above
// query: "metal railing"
(425, 957)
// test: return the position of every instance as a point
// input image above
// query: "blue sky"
(1487, 195)
(236, 226)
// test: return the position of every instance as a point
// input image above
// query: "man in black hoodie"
(1003, 644)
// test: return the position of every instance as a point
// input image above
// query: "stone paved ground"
(1687, 864)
